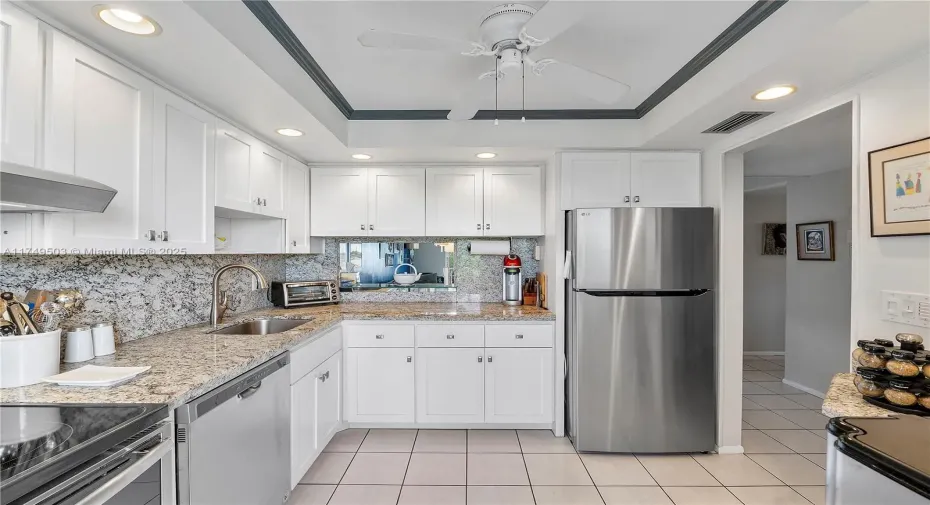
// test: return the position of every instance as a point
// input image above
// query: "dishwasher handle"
(239, 388)
(250, 391)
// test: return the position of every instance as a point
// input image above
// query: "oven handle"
(124, 478)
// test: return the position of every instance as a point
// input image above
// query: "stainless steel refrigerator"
(640, 330)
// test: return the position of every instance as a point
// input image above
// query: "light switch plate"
(906, 308)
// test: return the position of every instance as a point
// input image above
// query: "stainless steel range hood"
(27, 189)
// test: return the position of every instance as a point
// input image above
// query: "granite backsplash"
(144, 295)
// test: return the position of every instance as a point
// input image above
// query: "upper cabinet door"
(99, 126)
(267, 180)
(513, 201)
(454, 202)
(595, 180)
(665, 179)
(338, 202)
(298, 207)
(183, 173)
(396, 202)
(233, 167)
(19, 85)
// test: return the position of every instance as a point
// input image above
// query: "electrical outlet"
(906, 308)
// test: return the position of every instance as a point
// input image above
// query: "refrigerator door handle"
(567, 268)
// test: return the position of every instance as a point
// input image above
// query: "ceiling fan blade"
(550, 20)
(393, 40)
(470, 100)
(581, 81)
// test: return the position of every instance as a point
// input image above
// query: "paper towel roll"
(498, 247)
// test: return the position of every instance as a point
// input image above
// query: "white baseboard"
(455, 426)
(804, 388)
(730, 449)
(763, 353)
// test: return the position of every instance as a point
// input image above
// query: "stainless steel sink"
(262, 326)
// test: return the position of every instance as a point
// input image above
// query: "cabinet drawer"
(518, 335)
(450, 335)
(400, 335)
(309, 356)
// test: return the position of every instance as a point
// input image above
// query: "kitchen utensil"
(541, 296)
(406, 278)
(7, 328)
(18, 314)
(99, 376)
(25, 359)
(48, 316)
(79, 345)
(104, 343)
(70, 299)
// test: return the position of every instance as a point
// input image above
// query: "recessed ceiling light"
(289, 132)
(485, 156)
(127, 20)
(774, 92)
(361, 156)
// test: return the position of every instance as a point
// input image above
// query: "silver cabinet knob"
(149, 235)
(450, 337)
(258, 201)
(487, 227)
(371, 227)
(490, 359)
(379, 337)
(518, 336)
(626, 199)
(636, 199)
(163, 236)
(363, 227)
(265, 202)
(409, 359)
(479, 359)
(294, 243)
(479, 226)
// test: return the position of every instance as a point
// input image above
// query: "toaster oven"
(301, 294)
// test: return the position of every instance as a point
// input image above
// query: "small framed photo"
(775, 239)
(815, 241)
(897, 190)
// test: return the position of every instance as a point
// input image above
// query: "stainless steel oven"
(299, 294)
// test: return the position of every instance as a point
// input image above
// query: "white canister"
(79, 345)
(26, 359)
(104, 343)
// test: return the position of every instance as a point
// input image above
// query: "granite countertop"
(188, 362)
(844, 400)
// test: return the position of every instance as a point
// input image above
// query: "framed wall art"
(899, 189)
(774, 239)
(815, 241)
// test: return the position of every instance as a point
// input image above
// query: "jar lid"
(861, 343)
(883, 342)
(901, 354)
(79, 328)
(901, 384)
(872, 374)
(875, 348)
(909, 337)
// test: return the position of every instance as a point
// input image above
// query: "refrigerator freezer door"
(642, 373)
(643, 248)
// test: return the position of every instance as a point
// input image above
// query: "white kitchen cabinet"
(595, 180)
(303, 426)
(380, 385)
(396, 202)
(519, 385)
(233, 165)
(338, 202)
(98, 125)
(665, 179)
(20, 85)
(328, 400)
(297, 206)
(454, 202)
(266, 180)
(450, 385)
(183, 167)
(513, 201)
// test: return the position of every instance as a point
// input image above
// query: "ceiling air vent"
(736, 121)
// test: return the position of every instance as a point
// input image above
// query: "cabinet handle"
(163, 236)
(487, 227)
(518, 336)
(635, 199)
(149, 235)
(409, 359)
(264, 202)
(294, 243)
(363, 227)
(479, 226)
(626, 199)
(479, 359)
(322, 377)
(379, 337)
(450, 337)
(258, 201)
(490, 359)
(371, 227)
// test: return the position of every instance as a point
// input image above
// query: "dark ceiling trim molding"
(273, 22)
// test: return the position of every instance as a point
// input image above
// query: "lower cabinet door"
(518, 385)
(450, 385)
(328, 399)
(303, 426)
(379, 385)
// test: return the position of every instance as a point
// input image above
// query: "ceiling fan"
(509, 32)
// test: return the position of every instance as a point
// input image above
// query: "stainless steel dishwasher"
(234, 442)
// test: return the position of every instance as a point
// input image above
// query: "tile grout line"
(409, 458)
(526, 469)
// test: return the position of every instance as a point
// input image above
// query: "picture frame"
(774, 239)
(899, 189)
(815, 241)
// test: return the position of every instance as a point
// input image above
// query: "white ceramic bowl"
(26, 359)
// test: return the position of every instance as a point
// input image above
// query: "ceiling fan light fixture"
(289, 132)
(775, 92)
(486, 156)
(127, 20)
(361, 156)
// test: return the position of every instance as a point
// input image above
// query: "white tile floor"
(784, 463)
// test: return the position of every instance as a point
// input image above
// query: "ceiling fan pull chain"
(497, 61)
(523, 81)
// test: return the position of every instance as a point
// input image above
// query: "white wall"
(817, 319)
(764, 277)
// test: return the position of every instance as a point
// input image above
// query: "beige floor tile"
(389, 441)
(365, 495)
(346, 441)
(814, 494)
(493, 441)
(428, 469)
(631, 495)
(820, 433)
(752, 388)
(736, 470)
(677, 470)
(799, 440)
(556, 470)
(765, 420)
(757, 376)
(377, 468)
(432, 495)
(328, 468)
(310, 495)
(817, 459)
(701, 496)
(768, 495)
(751, 405)
(748, 367)
(543, 442)
(777, 358)
(497, 470)
(791, 469)
(446, 441)
(808, 419)
(757, 442)
(747, 426)
(616, 470)
(780, 388)
(767, 366)
(500, 495)
(567, 495)
(809, 401)
(775, 402)
(779, 374)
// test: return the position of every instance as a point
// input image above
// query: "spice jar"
(874, 356)
(924, 398)
(909, 341)
(858, 351)
(899, 393)
(869, 383)
(902, 363)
